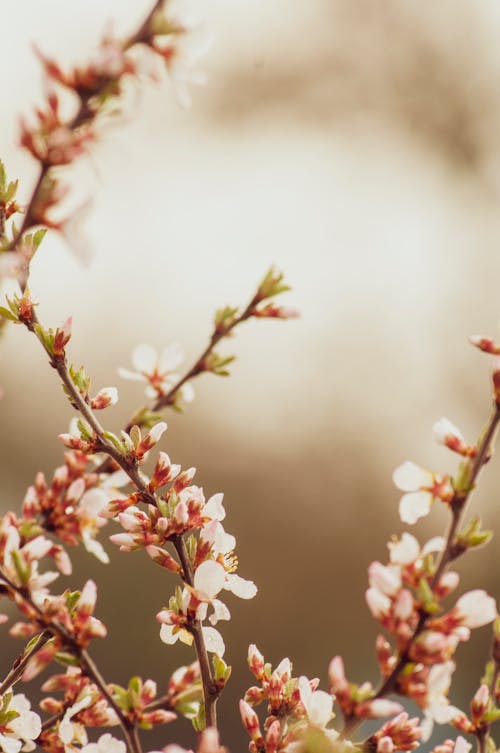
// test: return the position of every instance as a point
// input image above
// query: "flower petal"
(414, 505)
(409, 477)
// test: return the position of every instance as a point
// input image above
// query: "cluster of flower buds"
(403, 593)
(358, 701)
(295, 708)
(70, 506)
(400, 733)
(82, 706)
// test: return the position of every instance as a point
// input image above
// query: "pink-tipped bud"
(480, 703)
(105, 397)
(62, 337)
(149, 441)
(75, 491)
(184, 479)
(496, 380)
(276, 312)
(336, 675)
(251, 722)
(164, 472)
(273, 737)
(255, 661)
(486, 344)
(447, 434)
(385, 657)
(377, 708)
(385, 745)
(163, 558)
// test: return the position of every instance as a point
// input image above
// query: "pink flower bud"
(480, 703)
(62, 337)
(336, 675)
(486, 344)
(255, 661)
(105, 397)
(385, 745)
(251, 722)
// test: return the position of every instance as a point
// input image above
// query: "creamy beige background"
(355, 145)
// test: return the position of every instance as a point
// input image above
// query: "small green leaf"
(8, 314)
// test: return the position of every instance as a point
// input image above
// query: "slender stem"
(483, 733)
(19, 665)
(199, 365)
(210, 692)
(457, 505)
(87, 664)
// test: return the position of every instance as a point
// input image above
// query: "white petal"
(223, 542)
(245, 589)
(476, 608)
(213, 641)
(214, 508)
(10, 744)
(209, 579)
(187, 392)
(145, 358)
(444, 428)
(461, 745)
(436, 544)
(378, 603)
(221, 612)
(27, 726)
(171, 357)
(409, 477)
(404, 551)
(413, 506)
(439, 679)
(167, 635)
(133, 375)
(94, 547)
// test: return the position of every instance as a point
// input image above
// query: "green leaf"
(8, 314)
(67, 659)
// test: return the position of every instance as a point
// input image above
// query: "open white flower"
(476, 608)
(158, 370)
(421, 487)
(106, 744)
(407, 550)
(210, 578)
(438, 708)
(20, 732)
(318, 704)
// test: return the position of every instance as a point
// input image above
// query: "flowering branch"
(55, 350)
(463, 488)
(86, 663)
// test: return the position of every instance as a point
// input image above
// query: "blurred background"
(354, 144)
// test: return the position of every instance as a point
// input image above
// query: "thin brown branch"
(199, 367)
(21, 662)
(210, 692)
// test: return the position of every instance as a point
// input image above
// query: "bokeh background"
(354, 144)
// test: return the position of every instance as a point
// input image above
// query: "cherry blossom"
(158, 370)
(437, 706)
(106, 744)
(421, 488)
(447, 434)
(23, 729)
